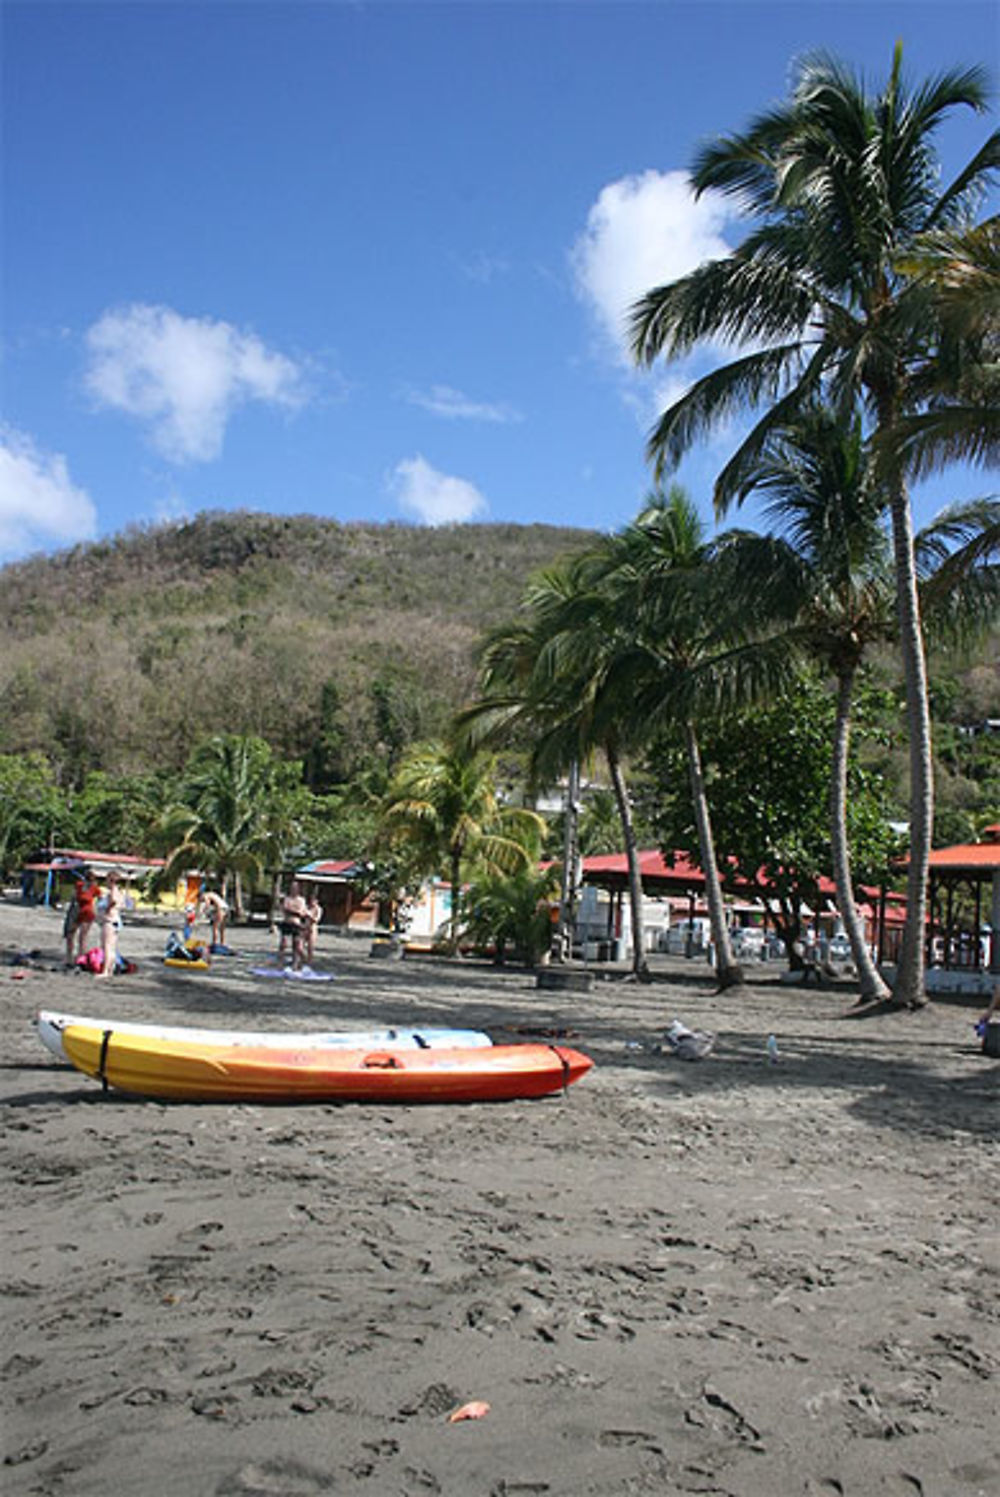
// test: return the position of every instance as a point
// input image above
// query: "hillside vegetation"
(334, 642)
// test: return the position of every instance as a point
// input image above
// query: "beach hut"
(341, 886)
(964, 920)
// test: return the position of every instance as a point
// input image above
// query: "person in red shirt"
(88, 892)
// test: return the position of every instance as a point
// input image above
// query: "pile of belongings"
(688, 1044)
(178, 950)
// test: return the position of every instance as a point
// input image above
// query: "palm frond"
(748, 297)
(714, 398)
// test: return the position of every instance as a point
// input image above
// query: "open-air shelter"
(964, 905)
(682, 883)
(44, 875)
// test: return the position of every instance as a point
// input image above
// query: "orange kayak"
(148, 1066)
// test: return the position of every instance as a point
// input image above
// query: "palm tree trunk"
(908, 987)
(456, 896)
(567, 894)
(726, 970)
(870, 982)
(640, 966)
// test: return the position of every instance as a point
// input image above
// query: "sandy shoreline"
(725, 1277)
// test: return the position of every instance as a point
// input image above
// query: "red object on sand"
(474, 1410)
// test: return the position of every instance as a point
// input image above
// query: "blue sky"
(368, 261)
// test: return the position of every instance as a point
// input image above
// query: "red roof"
(979, 856)
(67, 857)
(680, 870)
(651, 865)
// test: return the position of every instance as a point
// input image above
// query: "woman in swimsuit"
(215, 910)
(110, 910)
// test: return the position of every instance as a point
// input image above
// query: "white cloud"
(442, 400)
(184, 376)
(434, 498)
(643, 231)
(40, 506)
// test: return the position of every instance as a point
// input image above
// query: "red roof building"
(964, 897)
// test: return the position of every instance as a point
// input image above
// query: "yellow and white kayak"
(51, 1026)
(184, 1070)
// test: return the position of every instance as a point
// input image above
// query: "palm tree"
(553, 672)
(844, 186)
(443, 805)
(827, 573)
(224, 822)
(512, 910)
(683, 663)
(961, 418)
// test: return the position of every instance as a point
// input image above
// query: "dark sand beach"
(726, 1277)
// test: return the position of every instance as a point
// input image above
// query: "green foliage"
(442, 815)
(768, 777)
(239, 812)
(33, 814)
(118, 813)
(968, 783)
(965, 698)
(337, 644)
(512, 911)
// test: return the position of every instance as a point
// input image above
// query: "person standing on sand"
(88, 892)
(314, 914)
(70, 922)
(110, 916)
(294, 914)
(215, 910)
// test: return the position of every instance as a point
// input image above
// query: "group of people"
(90, 907)
(300, 918)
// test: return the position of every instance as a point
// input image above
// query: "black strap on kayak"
(565, 1066)
(105, 1040)
(422, 1043)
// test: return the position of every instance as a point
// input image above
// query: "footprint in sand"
(419, 1482)
(278, 1478)
(636, 1438)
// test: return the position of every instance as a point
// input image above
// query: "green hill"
(332, 641)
